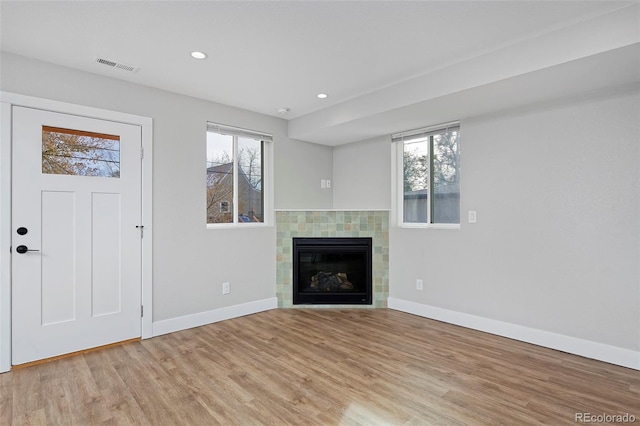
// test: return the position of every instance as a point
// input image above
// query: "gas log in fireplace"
(332, 271)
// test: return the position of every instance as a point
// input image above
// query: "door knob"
(24, 249)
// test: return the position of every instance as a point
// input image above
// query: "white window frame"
(397, 170)
(267, 175)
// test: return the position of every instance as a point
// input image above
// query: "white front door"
(76, 248)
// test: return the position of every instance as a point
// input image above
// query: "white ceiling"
(377, 60)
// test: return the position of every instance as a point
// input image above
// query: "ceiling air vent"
(115, 64)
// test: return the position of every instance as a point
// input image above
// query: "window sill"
(429, 225)
(243, 225)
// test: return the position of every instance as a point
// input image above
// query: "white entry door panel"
(76, 191)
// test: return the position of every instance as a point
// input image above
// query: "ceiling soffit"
(544, 61)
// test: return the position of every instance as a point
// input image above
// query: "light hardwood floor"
(319, 367)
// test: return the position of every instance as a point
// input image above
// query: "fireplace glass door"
(332, 271)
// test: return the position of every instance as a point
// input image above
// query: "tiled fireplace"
(292, 224)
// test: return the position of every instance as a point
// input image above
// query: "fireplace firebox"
(332, 271)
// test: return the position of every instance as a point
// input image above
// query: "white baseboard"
(203, 318)
(586, 348)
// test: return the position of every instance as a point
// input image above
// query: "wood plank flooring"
(319, 367)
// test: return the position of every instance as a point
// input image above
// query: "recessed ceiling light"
(198, 55)
(322, 95)
(283, 110)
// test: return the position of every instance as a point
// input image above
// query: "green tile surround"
(332, 223)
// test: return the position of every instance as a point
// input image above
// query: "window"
(236, 160)
(80, 153)
(429, 175)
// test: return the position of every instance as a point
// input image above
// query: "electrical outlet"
(419, 285)
(328, 183)
(225, 288)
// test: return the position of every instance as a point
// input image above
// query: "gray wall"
(557, 242)
(299, 168)
(362, 175)
(190, 261)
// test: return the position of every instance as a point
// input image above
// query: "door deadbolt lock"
(22, 230)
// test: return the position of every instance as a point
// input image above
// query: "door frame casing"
(7, 102)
